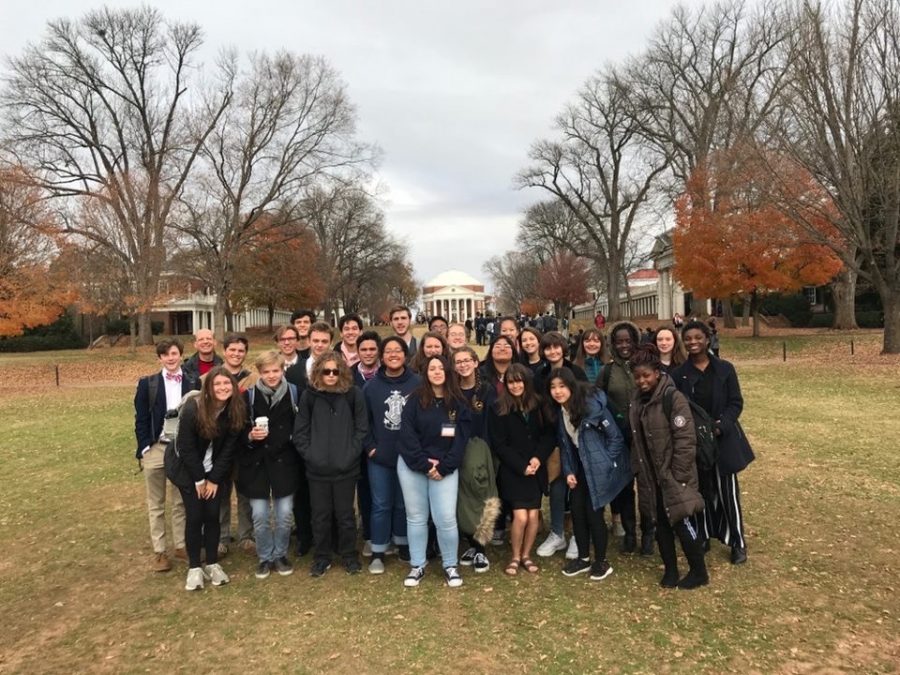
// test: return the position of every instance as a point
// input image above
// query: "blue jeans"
(271, 546)
(438, 497)
(388, 509)
(558, 505)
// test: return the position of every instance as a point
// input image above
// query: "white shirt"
(309, 365)
(173, 396)
(288, 364)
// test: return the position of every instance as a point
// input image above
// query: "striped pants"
(723, 517)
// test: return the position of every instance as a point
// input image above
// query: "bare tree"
(290, 124)
(842, 124)
(102, 109)
(515, 276)
(601, 171)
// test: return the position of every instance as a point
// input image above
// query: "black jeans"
(332, 501)
(688, 534)
(201, 527)
(588, 523)
(302, 510)
(623, 503)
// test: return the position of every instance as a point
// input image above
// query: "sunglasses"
(330, 371)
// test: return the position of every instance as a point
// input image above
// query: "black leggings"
(688, 534)
(201, 526)
(588, 523)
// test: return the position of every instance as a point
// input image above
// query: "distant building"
(454, 295)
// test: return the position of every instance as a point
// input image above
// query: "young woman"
(530, 349)
(664, 448)
(712, 384)
(386, 395)
(554, 349)
(671, 351)
(500, 356)
(479, 395)
(209, 427)
(433, 435)
(596, 465)
(431, 344)
(591, 353)
(331, 424)
(267, 463)
(523, 439)
(509, 327)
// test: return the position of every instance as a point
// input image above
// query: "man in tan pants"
(155, 412)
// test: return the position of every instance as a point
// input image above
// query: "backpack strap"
(152, 389)
(668, 395)
(605, 376)
(292, 388)
(251, 396)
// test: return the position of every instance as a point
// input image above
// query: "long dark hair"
(528, 401)
(581, 355)
(489, 359)
(208, 409)
(417, 364)
(577, 405)
(453, 396)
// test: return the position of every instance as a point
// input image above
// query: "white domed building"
(454, 295)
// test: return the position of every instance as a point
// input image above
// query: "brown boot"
(161, 563)
(181, 554)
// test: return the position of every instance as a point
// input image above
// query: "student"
(480, 396)
(595, 462)
(712, 384)
(591, 353)
(367, 346)
(302, 320)
(433, 435)
(151, 410)
(500, 356)
(331, 424)
(386, 395)
(664, 457)
(671, 350)
(522, 439)
(267, 463)
(530, 349)
(400, 319)
(199, 461)
(350, 326)
(287, 338)
(431, 344)
(553, 350)
(617, 382)
(457, 336)
(204, 359)
(234, 353)
(438, 324)
(509, 327)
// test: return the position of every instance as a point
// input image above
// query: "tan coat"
(664, 453)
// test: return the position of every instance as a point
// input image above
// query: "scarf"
(366, 373)
(273, 396)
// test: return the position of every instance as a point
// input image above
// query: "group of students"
(434, 445)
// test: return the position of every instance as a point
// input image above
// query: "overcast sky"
(453, 92)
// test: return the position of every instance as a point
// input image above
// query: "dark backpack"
(704, 428)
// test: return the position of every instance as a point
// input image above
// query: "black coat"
(735, 452)
(515, 441)
(191, 448)
(269, 466)
(328, 433)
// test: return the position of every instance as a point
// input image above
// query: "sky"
(454, 93)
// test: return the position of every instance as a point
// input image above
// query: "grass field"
(819, 593)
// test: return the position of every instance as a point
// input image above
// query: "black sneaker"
(352, 565)
(648, 544)
(600, 570)
(738, 555)
(481, 563)
(670, 578)
(693, 579)
(576, 567)
(468, 557)
(414, 577)
(283, 566)
(262, 570)
(319, 567)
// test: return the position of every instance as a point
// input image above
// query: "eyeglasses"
(460, 362)
(287, 339)
(393, 352)
(330, 371)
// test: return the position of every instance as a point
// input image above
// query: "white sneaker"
(376, 566)
(391, 549)
(572, 551)
(551, 545)
(217, 575)
(194, 579)
(367, 548)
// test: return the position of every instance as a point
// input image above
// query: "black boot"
(647, 538)
(629, 541)
(697, 575)
(669, 558)
(738, 555)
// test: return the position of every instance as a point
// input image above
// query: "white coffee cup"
(262, 423)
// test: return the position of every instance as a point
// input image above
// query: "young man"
(400, 318)
(367, 346)
(287, 338)
(203, 360)
(350, 326)
(302, 319)
(234, 351)
(156, 399)
(438, 324)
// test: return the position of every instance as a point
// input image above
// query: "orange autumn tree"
(732, 240)
(563, 280)
(31, 293)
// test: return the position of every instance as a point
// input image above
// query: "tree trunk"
(754, 310)
(144, 329)
(132, 334)
(219, 322)
(843, 288)
(728, 314)
(612, 292)
(890, 299)
(745, 317)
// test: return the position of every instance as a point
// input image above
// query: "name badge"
(448, 430)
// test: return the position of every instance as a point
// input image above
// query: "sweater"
(421, 436)
(385, 399)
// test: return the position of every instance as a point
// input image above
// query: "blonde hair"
(269, 358)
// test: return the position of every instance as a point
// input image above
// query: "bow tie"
(174, 376)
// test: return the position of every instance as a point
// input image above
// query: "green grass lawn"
(818, 593)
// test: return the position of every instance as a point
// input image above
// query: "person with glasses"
(287, 339)
(330, 427)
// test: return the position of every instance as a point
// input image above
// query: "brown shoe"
(223, 549)
(248, 546)
(161, 563)
(181, 554)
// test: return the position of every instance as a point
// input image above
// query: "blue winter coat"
(601, 449)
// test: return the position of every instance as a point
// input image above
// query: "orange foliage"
(732, 238)
(564, 279)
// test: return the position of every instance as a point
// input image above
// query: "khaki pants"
(155, 478)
